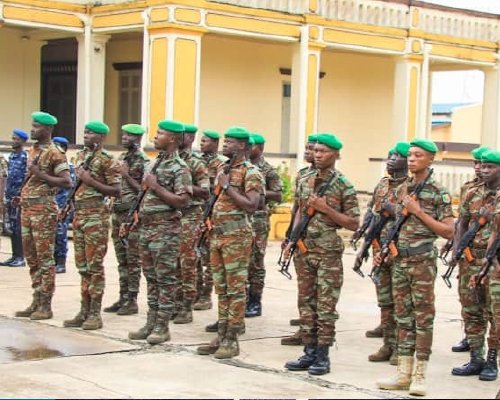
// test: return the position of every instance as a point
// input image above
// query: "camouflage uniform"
(61, 243)
(39, 220)
(414, 271)
(91, 226)
(476, 315)
(129, 265)
(320, 272)
(190, 221)
(494, 284)
(230, 246)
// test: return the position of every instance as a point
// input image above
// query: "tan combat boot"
(382, 354)
(229, 347)
(185, 315)
(402, 380)
(145, 331)
(213, 346)
(79, 318)
(129, 307)
(377, 332)
(26, 313)
(93, 320)
(418, 386)
(294, 340)
(160, 332)
(205, 300)
(394, 357)
(44, 309)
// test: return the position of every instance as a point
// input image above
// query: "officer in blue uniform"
(16, 172)
(61, 244)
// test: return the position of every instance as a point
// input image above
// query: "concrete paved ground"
(42, 359)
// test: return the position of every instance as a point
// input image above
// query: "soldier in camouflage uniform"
(477, 207)
(296, 338)
(15, 177)
(231, 240)
(463, 345)
(133, 164)
(190, 221)
(319, 265)
(382, 200)
(99, 181)
(209, 144)
(414, 269)
(48, 169)
(260, 225)
(169, 188)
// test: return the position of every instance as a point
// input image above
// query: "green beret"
(491, 156)
(211, 134)
(251, 140)
(477, 153)
(133, 129)
(425, 144)
(190, 128)
(330, 140)
(44, 118)
(237, 132)
(171, 126)
(402, 148)
(391, 152)
(258, 138)
(97, 127)
(312, 138)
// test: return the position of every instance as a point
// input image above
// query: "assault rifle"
(201, 243)
(463, 248)
(489, 258)
(299, 232)
(358, 234)
(132, 217)
(389, 245)
(445, 251)
(63, 214)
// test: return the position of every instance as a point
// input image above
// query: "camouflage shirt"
(199, 174)
(173, 175)
(137, 162)
(51, 160)
(475, 198)
(243, 177)
(272, 181)
(466, 186)
(340, 196)
(103, 168)
(214, 163)
(434, 200)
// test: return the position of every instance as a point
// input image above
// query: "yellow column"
(490, 129)
(174, 75)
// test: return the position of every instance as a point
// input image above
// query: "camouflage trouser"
(413, 292)
(320, 277)
(61, 243)
(159, 247)
(90, 239)
(204, 278)
(495, 303)
(386, 304)
(129, 263)
(186, 272)
(38, 223)
(475, 314)
(229, 257)
(256, 269)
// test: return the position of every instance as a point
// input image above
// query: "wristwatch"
(225, 186)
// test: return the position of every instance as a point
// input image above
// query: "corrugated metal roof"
(446, 108)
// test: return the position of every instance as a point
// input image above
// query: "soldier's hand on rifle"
(377, 259)
(318, 203)
(412, 205)
(34, 169)
(223, 179)
(473, 281)
(123, 231)
(150, 181)
(83, 175)
(486, 213)
(389, 208)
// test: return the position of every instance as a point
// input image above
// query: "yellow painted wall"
(356, 104)
(466, 124)
(441, 133)
(20, 70)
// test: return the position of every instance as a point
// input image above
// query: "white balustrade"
(288, 6)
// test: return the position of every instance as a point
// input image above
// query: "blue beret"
(60, 140)
(23, 135)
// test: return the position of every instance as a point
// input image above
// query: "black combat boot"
(130, 306)
(490, 370)
(60, 265)
(117, 304)
(461, 346)
(212, 327)
(473, 367)
(304, 361)
(254, 308)
(321, 364)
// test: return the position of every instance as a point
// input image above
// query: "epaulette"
(197, 154)
(345, 181)
(106, 153)
(59, 148)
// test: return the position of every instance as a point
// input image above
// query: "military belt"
(229, 226)
(87, 204)
(120, 207)
(415, 251)
(160, 216)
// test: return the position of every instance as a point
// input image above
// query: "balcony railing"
(287, 6)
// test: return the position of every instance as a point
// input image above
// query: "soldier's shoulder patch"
(446, 198)
(345, 181)
(106, 153)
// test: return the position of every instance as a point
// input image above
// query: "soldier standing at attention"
(101, 179)
(463, 345)
(296, 338)
(209, 145)
(478, 204)
(231, 241)
(15, 177)
(260, 225)
(48, 169)
(190, 221)
(383, 199)
(320, 270)
(414, 269)
(133, 164)
(168, 190)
